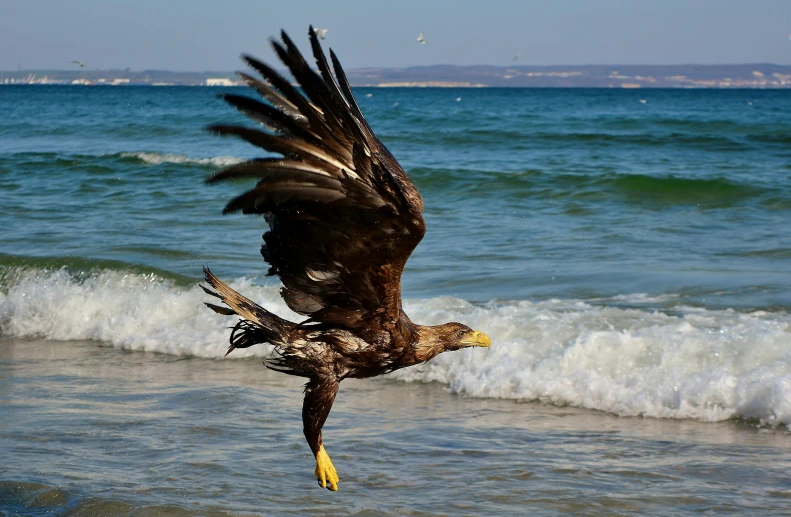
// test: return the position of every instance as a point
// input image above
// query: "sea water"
(627, 252)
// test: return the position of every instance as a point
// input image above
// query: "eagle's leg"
(319, 396)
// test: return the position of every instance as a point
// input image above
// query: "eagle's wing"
(343, 215)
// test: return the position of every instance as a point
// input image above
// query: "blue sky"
(200, 35)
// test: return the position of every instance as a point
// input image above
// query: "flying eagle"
(343, 218)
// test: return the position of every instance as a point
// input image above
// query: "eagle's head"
(433, 340)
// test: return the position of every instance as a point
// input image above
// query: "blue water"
(530, 194)
(628, 252)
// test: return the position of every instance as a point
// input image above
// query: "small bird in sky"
(421, 38)
(321, 33)
(79, 63)
(516, 57)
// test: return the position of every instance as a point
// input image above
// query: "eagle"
(343, 219)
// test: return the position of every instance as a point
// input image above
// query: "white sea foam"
(695, 363)
(129, 311)
(157, 158)
(700, 364)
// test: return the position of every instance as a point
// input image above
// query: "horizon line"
(127, 69)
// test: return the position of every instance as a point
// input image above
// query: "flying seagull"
(321, 33)
(343, 220)
(79, 63)
(421, 38)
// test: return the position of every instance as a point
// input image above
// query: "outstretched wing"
(343, 215)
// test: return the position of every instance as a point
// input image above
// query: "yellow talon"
(325, 470)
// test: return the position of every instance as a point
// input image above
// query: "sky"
(208, 35)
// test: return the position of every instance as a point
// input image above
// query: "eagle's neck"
(428, 342)
(416, 341)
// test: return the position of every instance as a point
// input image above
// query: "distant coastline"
(759, 75)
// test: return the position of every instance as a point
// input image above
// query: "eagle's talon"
(325, 471)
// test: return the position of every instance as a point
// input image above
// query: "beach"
(626, 251)
(91, 430)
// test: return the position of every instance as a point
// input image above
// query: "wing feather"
(278, 144)
(310, 112)
(324, 69)
(262, 167)
(343, 215)
(274, 97)
(347, 92)
(268, 116)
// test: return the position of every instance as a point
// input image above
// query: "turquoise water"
(531, 193)
(627, 251)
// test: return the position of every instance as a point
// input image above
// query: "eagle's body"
(344, 218)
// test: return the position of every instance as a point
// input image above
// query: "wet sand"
(87, 429)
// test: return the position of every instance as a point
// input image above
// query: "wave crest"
(694, 363)
(127, 310)
(700, 364)
(158, 158)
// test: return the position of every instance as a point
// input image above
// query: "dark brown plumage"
(344, 218)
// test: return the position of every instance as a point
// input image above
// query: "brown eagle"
(343, 218)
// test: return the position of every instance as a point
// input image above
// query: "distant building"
(220, 81)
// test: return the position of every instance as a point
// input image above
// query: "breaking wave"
(21, 159)
(709, 365)
(158, 158)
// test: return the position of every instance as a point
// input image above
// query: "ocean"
(627, 251)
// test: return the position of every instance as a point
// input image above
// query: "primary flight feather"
(344, 218)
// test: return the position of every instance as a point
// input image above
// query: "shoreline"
(175, 435)
(734, 76)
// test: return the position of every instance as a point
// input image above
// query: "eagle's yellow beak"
(476, 338)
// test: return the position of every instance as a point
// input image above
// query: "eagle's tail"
(258, 324)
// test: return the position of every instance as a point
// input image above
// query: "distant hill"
(600, 76)
(757, 75)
